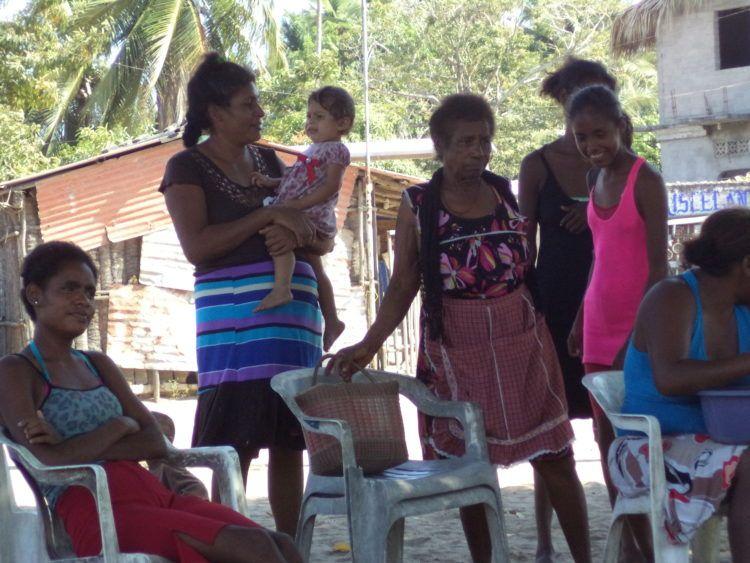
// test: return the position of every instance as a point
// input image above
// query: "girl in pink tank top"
(627, 214)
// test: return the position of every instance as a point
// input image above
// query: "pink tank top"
(619, 277)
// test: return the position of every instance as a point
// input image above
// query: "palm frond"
(195, 16)
(139, 53)
(271, 31)
(68, 90)
(635, 28)
(159, 28)
(121, 82)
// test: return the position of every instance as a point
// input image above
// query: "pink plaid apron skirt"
(499, 354)
(699, 473)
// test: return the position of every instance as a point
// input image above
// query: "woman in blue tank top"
(71, 407)
(693, 333)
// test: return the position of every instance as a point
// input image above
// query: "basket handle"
(319, 365)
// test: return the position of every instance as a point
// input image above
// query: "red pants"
(147, 516)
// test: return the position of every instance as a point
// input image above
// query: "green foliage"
(91, 73)
(423, 50)
(91, 141)
(127, 62)
(20, 146)
(25, 75)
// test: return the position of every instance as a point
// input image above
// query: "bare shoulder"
(649, 176)
(669, 296)
(13, 365)
(532, 164)
(102, 362)
(17, 379)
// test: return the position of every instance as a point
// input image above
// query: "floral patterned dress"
(484, 257)
(496, 350)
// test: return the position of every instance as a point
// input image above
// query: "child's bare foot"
(332, 331)
(279, 296)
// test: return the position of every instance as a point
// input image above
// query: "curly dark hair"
(458, 107)
(724, 240)
(215, 81)
(574, 74)
(45, 261)
(336, 101)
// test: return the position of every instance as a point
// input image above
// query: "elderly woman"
(230, 237)
(70, 407)
(692, 333)
(462, 239)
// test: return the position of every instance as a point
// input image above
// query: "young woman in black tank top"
(553, 195)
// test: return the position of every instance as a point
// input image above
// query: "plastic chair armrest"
(650, 426)
(645, 423)
(339, 429)
(91, 476)
(468, 414)
(224, 463)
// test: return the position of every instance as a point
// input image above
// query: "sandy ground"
(436, 537)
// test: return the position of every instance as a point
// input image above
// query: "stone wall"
(691, 83)
(706, 109)
(691, 153)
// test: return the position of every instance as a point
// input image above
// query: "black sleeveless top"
(561, 276)
(564, 258)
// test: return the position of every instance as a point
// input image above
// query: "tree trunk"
(15, 328)
(319, 44)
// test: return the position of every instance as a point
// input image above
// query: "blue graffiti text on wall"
(703, 202)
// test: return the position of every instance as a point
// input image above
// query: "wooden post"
(153, 375)
(15, 328)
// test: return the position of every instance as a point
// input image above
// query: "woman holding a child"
(217, 207)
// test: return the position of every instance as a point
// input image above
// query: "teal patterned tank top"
(74, 411)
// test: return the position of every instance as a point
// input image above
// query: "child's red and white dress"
(307, 175)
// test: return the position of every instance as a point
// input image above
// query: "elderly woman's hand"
(347, 361)
(295, 221)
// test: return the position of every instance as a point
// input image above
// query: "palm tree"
(127, 58)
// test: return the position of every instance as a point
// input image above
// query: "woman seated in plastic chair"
(693, 333)
(71, 407)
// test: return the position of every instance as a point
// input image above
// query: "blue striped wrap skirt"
(239, 351)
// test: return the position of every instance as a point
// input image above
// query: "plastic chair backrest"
(608, 388)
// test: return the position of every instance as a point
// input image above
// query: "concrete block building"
(703, 53)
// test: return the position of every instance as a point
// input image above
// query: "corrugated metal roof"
(114, 197)
(112, 152)
(112, 200)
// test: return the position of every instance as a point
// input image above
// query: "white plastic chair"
(608, 389)
(36, 533)
(376, 505)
